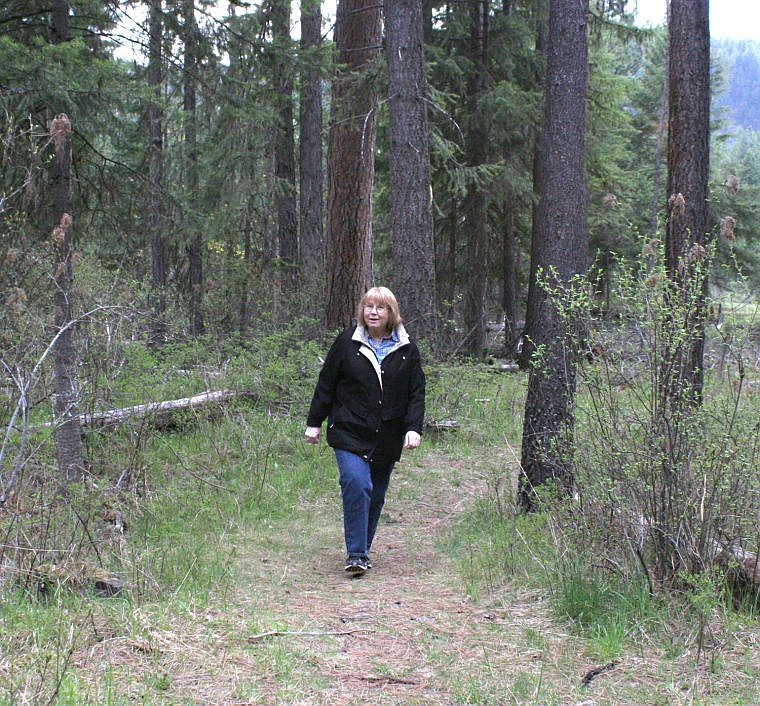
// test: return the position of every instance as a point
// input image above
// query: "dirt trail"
(405, 633)
(290, 627)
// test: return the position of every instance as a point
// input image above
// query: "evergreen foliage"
(106, 97)
(740, 60)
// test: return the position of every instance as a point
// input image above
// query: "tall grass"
(161, 509)
(165, 508)
(666, 500)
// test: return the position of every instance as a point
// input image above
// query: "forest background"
(195, 220)
(233, 221)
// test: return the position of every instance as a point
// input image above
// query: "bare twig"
(24, 385)
(298, 633)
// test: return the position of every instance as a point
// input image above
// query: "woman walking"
(371, 390)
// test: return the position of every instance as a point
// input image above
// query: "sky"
(729, 19)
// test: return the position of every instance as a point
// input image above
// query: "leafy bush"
(666, 471)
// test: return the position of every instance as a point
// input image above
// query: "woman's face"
(376, 316)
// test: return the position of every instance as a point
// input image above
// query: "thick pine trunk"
(688, 175)
(351, 158)
(559, 251)
(411, 196)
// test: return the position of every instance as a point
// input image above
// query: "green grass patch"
(191, 497)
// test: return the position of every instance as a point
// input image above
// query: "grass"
(232, 533)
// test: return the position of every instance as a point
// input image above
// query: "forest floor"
(293, 628)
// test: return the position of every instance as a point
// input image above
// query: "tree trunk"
(509, 291)
(351, 162)
(559, 251)
(195, 251)
(66, 363)
(245, 284)
(68, 437)
(311, 174)
(411, 194)
(475, 203)
(688, 174)
(60, 29)
(662, 125)
(285, 168)
(526, 344)
(157, 304)
(680, 379)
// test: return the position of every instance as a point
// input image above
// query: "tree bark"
(68, 437)
(476, 200)
(688, 175)
(191, 38)
(69, 449)
(157, 304)
(526, 344)
(351, 162)
(509, 287)
(411, 191)
(311, 174)
(559, 251)
(60, 29)
(662, 126)
(285, 168)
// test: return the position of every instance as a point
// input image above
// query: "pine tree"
(558, 253)
(411, 199)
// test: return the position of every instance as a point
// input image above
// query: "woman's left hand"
(412, 440)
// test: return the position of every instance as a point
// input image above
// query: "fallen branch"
(298, 633)
(591, 673)
(741, 567)
(155, 411)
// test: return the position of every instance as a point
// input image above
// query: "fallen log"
(157, 412)
(438, 427)
(741, 568)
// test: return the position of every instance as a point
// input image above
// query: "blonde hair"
(384, 296)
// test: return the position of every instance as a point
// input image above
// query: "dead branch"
(155, 412)
(298, 633)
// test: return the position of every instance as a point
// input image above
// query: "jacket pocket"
(346, 421)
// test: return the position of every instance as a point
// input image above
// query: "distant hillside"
(739, 65)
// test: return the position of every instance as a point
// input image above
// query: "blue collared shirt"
(385, 346)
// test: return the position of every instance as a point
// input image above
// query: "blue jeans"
(363, 485)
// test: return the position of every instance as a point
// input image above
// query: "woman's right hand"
(312, 435)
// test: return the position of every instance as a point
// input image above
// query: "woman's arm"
(415, 410)
(324, 391)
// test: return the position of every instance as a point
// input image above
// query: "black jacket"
(363, 416)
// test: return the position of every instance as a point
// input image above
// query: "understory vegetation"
(157, 529)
